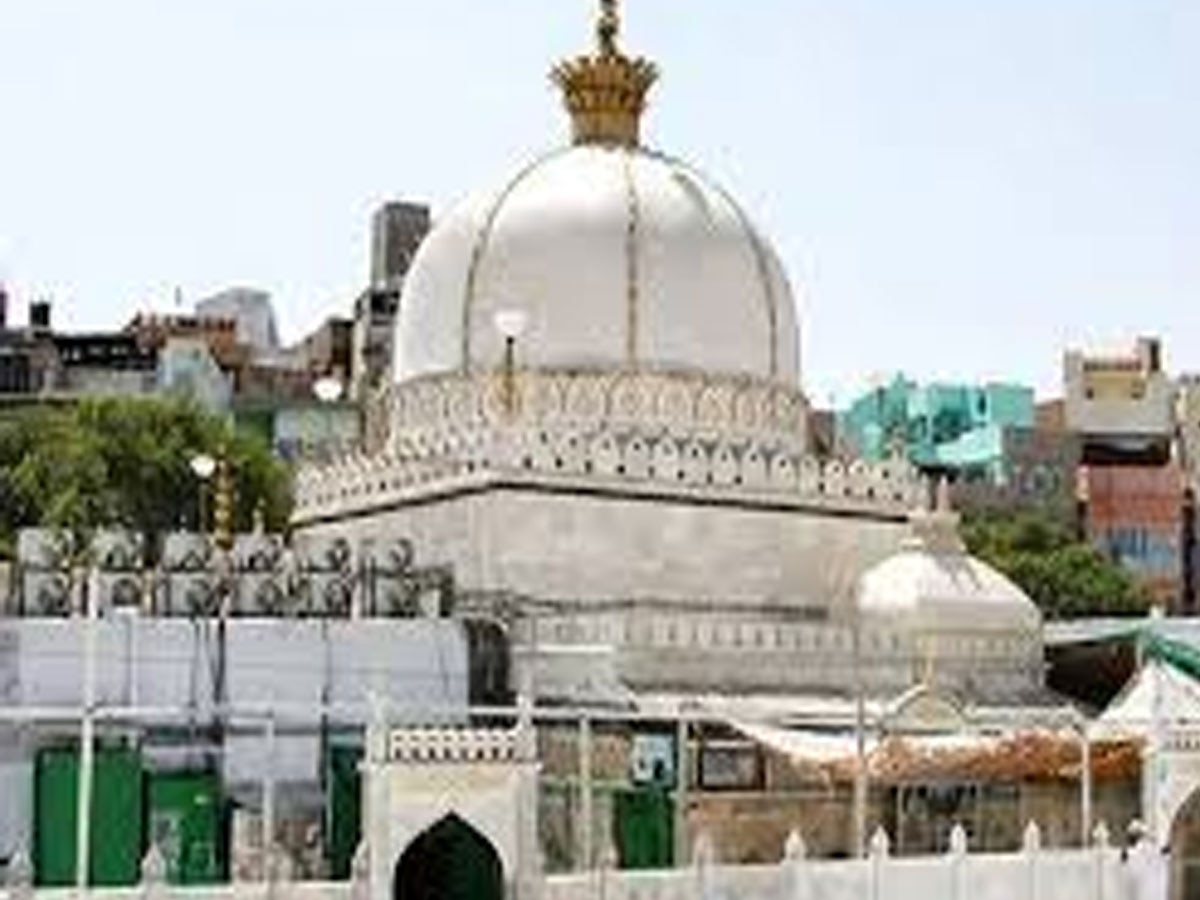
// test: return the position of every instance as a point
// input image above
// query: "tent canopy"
(1131, 714)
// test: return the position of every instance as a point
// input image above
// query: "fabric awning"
(1131, 714)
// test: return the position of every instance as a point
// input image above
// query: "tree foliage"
(1065, 577)
(126, 462)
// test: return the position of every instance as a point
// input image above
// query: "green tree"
(1065, 577)
(126, 462)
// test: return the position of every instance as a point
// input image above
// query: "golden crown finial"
(605, 93)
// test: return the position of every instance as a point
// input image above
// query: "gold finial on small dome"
(605, 92)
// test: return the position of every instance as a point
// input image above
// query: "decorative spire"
(223, 502)
(605, 92)
(936, 530)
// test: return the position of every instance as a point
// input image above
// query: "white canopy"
(1131, 713)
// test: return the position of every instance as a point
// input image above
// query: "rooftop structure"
(1121, 405)
(954, 427)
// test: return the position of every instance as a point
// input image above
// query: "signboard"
(730, 766)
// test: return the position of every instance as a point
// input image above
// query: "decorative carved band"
(452, 745)
(679, 431)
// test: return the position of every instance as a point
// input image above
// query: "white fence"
(1099, 872)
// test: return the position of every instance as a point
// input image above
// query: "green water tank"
(116, 817)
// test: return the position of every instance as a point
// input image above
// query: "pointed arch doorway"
(450, 860)
(1185, 851)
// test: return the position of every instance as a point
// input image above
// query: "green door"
(184, 820)
(344, 803)
(644, 828)
(116, 820)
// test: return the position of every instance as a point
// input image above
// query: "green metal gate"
(116, 819)
(185, 818)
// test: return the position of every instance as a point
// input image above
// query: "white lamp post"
(203, 466)
(327, 390)
(511, 325)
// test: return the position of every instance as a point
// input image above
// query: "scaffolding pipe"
(87, 733)
(586, 858)
(268, 811)
(860, 743)
(682, 777)
(1085, 785)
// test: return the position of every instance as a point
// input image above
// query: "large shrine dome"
(618, 258)
(614, 256)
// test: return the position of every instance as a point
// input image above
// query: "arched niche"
(449, 860)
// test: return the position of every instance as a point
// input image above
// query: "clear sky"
(958, 188)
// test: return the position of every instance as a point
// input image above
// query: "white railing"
(1099, 872)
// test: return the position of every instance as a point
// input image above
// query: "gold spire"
(223, 502)
(605, 92)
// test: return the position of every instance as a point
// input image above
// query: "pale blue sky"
(958, 188)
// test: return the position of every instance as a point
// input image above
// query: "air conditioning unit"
(118, 589)
(257, 552)
(187, 594)
(117, 550)
(44, 549)
(260, 594)
(186, 551)
(48, 594)
(330, 595)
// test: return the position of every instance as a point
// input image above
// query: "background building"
(397, 230)
(1131, 488)
(944, 427)
(1121, 406)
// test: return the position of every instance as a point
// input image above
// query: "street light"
(327, 390)
(203, 466)
(511, 325)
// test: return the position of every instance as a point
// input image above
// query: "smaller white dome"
(933, 586)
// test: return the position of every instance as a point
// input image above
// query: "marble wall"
(554, 542)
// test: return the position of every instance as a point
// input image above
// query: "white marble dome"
(932, 585)
(619, 258)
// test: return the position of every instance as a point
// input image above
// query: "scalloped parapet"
(686, 433)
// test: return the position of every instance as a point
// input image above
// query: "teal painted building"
(936, 426)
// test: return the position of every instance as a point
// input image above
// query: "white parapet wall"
(1099, 872)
